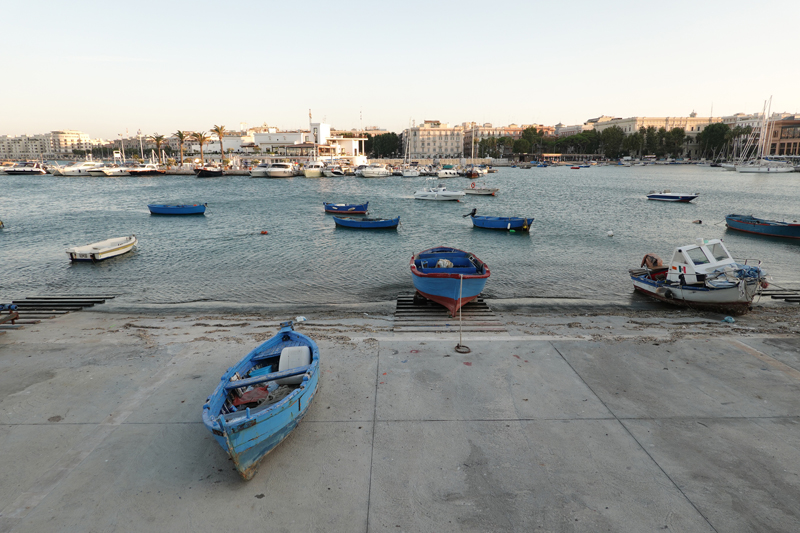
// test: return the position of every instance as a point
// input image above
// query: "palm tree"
(202, 138)
(159, 140)
(220, 131)
(182, 136)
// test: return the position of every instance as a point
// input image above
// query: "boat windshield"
(697, 256)
(718, 252)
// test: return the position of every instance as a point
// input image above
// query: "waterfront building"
(55, 144)
(433, 139)
(692, 125)
(786, 136)
(566, 131)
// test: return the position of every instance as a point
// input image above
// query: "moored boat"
(28, 168)
(367, 223)
(206, 172)
(101, 250)
(481, 189)
(183, 209)
(447, 173)
(261, 399)
(376, 170)
(760, 226)
(149, 169)
(502, 223)
(701, 275)
(81, 168)
(313, 169)
(348, 209)
(669, 196)
(448, 276)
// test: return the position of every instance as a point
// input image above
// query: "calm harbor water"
(223, 258)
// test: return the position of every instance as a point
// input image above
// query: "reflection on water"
(223, 256)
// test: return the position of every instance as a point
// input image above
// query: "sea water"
(223, 257)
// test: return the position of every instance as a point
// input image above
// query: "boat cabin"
(692, 263)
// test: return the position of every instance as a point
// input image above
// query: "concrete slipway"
(567, 422)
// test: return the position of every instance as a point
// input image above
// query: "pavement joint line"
(72, 458)
(771, 361)
(374, 427)
(632, 436)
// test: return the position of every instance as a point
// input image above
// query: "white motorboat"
(116, 171)
(764, 166)
(410, 172)
(273, 170)
(334, 171)
(28, 168)
(701, 275)
(106, 249)
(97, 172)
(447, 173)
(439, 193)
(260, 171)
(6, 165)
(80, 169)
(376, 170)
(313, 169)
(481, 188)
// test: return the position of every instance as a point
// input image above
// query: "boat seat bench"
(470, 270)
(272, 376)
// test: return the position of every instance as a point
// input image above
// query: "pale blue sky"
(104, 67)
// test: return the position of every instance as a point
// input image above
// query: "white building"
(56, 144)
(434, 139)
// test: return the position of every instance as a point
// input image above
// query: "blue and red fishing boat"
(760, 226)
(448, 276)
(261, 399)
(348, 209)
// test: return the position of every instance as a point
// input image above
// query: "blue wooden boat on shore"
(367, 223)
(448, 276)
(185, 209)
(502, 223)
(760, 226)
(348, 209)
(261, 399)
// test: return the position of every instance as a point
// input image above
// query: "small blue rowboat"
(760, 226)
(187, 209)
(448, 276)
(261, 400)
(348, 209)
(503, 223)
(367, 223)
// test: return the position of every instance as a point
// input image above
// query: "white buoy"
(610, 233)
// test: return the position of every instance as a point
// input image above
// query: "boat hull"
(249, 435)
(736, 299)
(192, 209)
(206, 173)
(349, 209)
(448, 286)
(502, 223)
(682, 198)
(758, 226)
(102, 250)
(367, 223)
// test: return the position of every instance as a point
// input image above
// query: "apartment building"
(434, 139)
(55, 144)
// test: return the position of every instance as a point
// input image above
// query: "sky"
(107, 68)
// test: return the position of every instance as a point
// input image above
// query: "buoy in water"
(697, 221)
(610, 233)
(265, 232)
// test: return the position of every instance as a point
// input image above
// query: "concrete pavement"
(656, 422)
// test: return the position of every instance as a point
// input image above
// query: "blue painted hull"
(760, 226)
(367, 223)
(450, 287)
(249, 435)
(503, 223)
(349, 209)
(190, 209)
